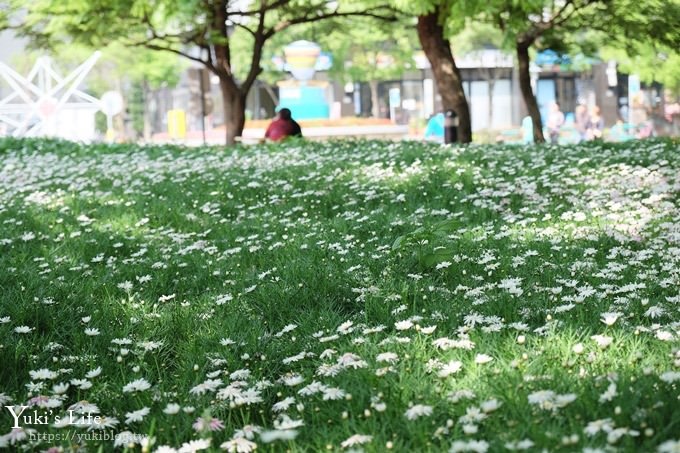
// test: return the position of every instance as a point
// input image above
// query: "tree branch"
(152, 46)
(248, 29)
(258, 45)
(197, 37)
(539, 28)
(562, 15)
(373, 12)
(271, 6)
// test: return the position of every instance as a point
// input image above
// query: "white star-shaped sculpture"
(36, 100)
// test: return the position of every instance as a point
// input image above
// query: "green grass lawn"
(340, 296)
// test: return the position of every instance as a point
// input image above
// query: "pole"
(110, 134)
(202, 87)
(257, 100)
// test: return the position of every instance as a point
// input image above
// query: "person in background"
(527, 130)
(581, 120)
(555, 122)
(283, 126)
(638, 112)
(434, 131)
(595, 124)
(618, 132)
(671, 109)
(645, 130)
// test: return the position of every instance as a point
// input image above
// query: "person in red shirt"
(283, 126)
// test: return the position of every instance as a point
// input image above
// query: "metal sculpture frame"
(33, 106)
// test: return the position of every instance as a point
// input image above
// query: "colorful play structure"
(306, 98)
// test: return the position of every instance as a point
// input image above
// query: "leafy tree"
(437, 21)
(560, 24)
(437, 48)
(654, 22)
(200, 30)
(652, 63)
(116, 64)
(525, 23)
(117, 69)
(384, 53)
(642, 36)
(477, 36)
(137, 107)
(136, 75)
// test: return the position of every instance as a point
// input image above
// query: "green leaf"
(437, 256)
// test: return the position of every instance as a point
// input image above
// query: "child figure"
(595, 124)
(555, 122)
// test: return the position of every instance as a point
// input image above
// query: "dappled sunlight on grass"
(329, 296)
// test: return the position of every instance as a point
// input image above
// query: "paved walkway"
(250, 136)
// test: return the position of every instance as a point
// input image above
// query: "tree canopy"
(228, 37)
(642, 36)
(198, 30)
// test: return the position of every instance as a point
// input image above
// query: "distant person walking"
(555, 122)
(283, 126)
(595, 124)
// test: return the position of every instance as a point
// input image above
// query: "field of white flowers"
(342, 296)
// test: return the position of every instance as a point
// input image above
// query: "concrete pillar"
(519, 110)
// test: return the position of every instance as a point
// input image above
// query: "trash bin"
(450, 127)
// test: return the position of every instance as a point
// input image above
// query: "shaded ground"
(343, 295)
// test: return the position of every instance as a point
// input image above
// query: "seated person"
(595, 124)
(645, 129)
(620, 132)
(555, 122)
(283, 126)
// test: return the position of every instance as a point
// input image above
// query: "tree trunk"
(234, 104)
(447, 75)
(375, 107)
(527, 92)
(146, 132)
(492, 83)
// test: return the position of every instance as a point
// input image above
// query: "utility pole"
(201, 84)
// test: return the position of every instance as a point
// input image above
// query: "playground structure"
(306, 98)
(44, 103)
